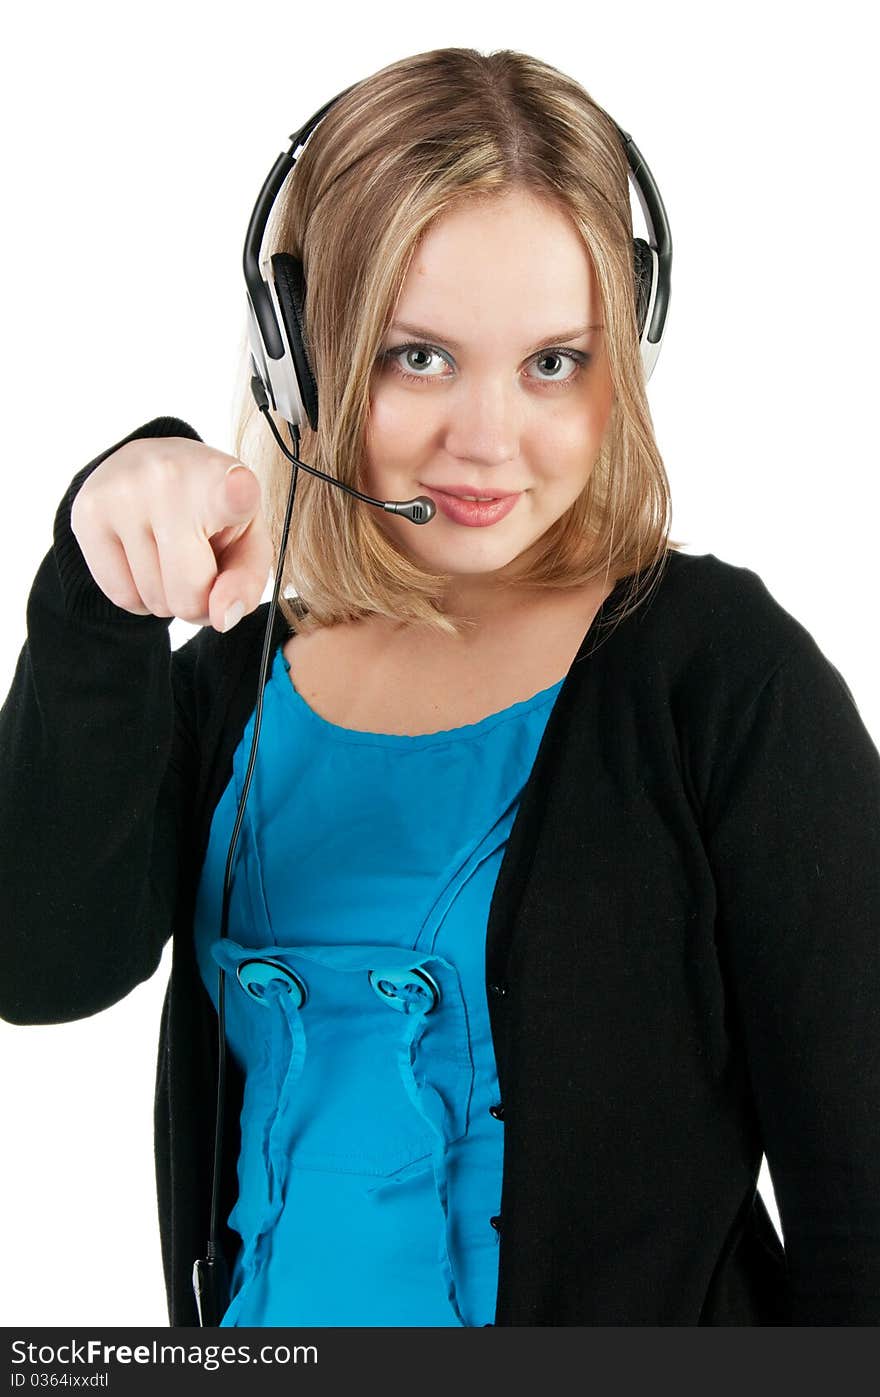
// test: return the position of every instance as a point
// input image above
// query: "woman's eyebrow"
(421, 333)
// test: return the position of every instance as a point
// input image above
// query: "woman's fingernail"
(233, 615)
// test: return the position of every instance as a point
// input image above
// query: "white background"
(135, 142)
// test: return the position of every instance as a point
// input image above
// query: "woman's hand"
(166, 530)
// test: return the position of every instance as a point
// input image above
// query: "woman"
(557, 889)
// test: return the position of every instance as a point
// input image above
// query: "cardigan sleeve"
(96, 778)
(793, 837)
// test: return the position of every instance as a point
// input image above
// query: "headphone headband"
(275, 318)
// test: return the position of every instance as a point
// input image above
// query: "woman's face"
(492, 380)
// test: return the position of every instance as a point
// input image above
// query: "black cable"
(215, 1257)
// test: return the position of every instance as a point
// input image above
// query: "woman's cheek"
(392, 414)
(399, 428)
(584, 429)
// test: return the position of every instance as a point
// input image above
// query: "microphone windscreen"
(419, 510)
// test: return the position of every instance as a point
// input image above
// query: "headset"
(283, 380)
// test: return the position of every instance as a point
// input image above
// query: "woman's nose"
(483, 422)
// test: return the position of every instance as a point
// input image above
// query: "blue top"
(370, 1165)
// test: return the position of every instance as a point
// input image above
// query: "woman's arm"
(96, 777)
(793, 833)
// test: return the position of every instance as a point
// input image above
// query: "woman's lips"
(476, 514)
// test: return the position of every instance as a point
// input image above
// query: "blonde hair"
(401, 148)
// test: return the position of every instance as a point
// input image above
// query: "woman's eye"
(414, 353)
(576, 361)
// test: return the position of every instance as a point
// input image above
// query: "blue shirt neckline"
(467, 731)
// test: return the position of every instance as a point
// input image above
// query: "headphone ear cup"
(290, 285)
(643, 269)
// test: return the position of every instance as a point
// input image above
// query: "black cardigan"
(682, 949)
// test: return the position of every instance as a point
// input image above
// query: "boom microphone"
(418, 511)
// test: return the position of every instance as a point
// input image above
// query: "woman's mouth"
(472, 513)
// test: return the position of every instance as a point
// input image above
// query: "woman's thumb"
(239, 492)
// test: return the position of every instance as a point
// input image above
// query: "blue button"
(406, 989)
(255, 975)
